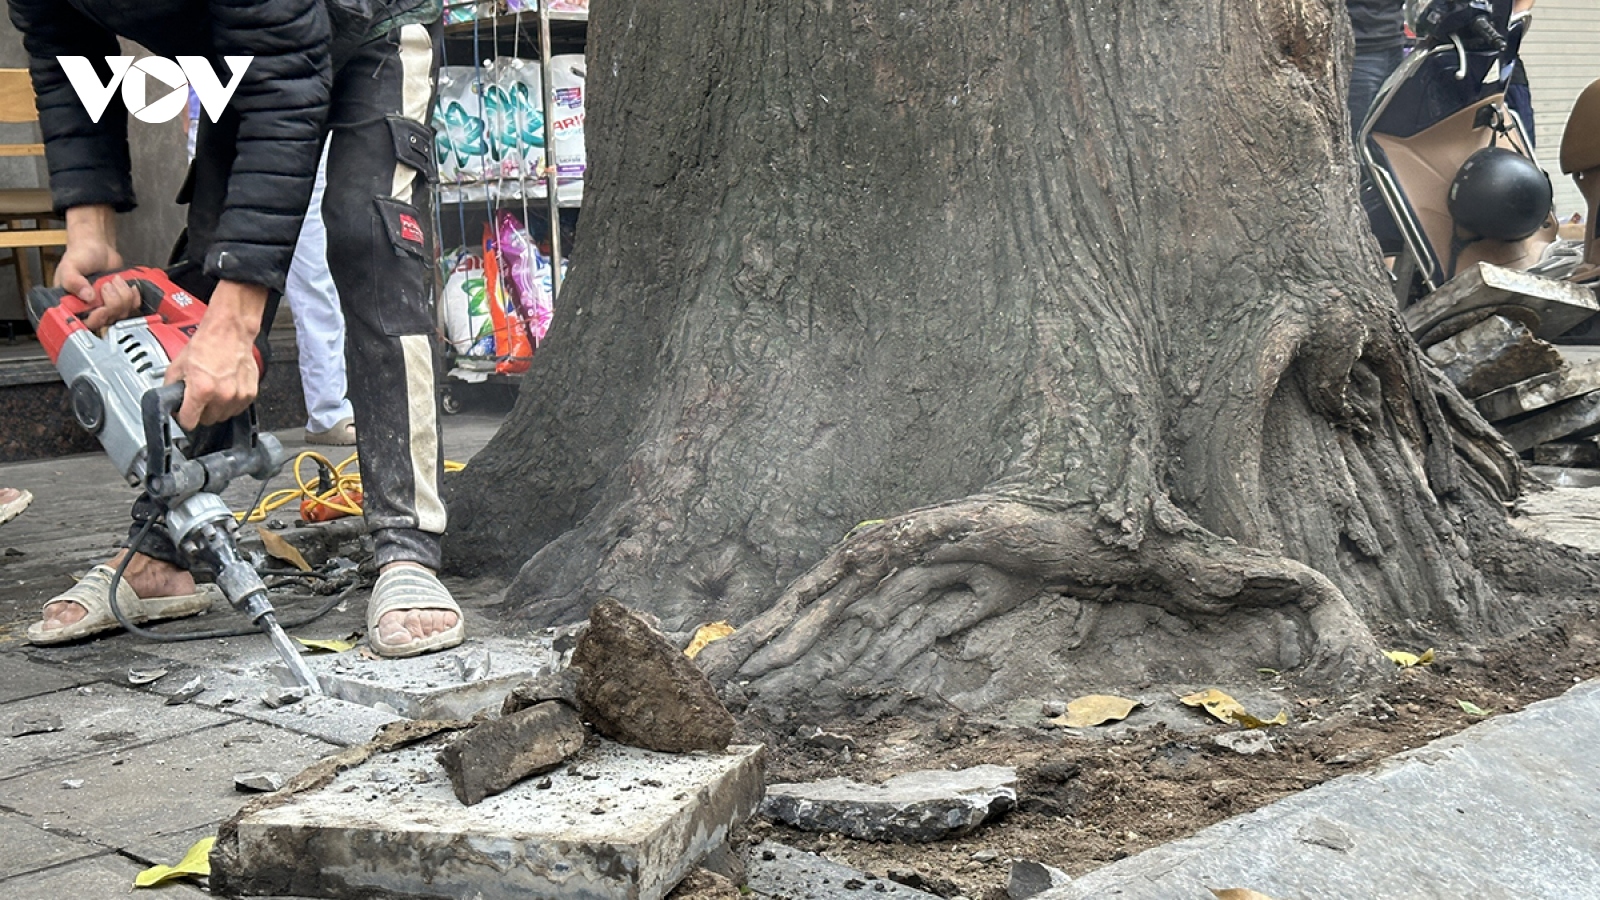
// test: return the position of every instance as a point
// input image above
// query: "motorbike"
(1453, 163)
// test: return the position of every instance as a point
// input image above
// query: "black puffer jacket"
(282, 103)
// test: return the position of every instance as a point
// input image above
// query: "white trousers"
(318, 323)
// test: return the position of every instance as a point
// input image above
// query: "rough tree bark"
(961, 351)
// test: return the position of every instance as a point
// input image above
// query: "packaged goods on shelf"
(567, 77)
(465, 307)
(569, 6)
(527, 275)
(462, 144)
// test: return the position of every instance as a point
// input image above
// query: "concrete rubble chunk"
(1540, 391)
(915, 807)
(630, 827)
(278, 697)
(494, 755)
(636, 688)
(780, 872)
(38, 723)
(1248, 742)
(1493, 354)
(562, 684)
(1570, 417)
(1028, 879)
(1584, 452)
(1560, 305)
(259, 782)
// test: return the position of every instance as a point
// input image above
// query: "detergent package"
(526, 273)
(567, 78)
(458, 117)
(525, 93)
(464, 305)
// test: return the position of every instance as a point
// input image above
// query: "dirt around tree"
(1088, 799)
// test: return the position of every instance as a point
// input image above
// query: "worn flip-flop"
(10, 509)
(410, 587)
(93, 593)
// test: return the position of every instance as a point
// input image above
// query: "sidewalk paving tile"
(21, 678)
(97, 719)
(146, 801)
(92, 879)
(25, 847)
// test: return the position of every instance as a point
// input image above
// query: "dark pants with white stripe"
(379, 165)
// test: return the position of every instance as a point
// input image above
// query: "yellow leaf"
(716, 631)
(332, 646)
(1472, 709)
(1227, 709)
(1239, 894)
(196, 862)
(1095, 709)
(1406, 660)
(278, 548)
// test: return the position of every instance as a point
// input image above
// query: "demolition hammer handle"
(158, 407)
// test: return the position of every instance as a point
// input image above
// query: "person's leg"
(318, 323)
(379, 161)
(1371, 70)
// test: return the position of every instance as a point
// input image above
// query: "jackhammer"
(115, 387)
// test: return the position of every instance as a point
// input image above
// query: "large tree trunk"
(959, 350)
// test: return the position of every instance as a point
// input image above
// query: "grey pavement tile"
(146, 800)
(20, 677)
(98, 719)
(25, 847)
(92, 879)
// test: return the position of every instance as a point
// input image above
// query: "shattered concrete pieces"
(1559, 305)
(638, 689)
(618, 822)
(444, 686)
(781, 872)
(562, 684)
(704, 885)
(1540, 391)
(1571, 417)
(1248, 742)
(37, 723)
(259, 782)
(276, 697)
(1028, 879)
(914, 807)
(1493, 354)
(191, 689)
(496, 754)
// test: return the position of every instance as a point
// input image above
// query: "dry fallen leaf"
(332, 646)
(1095, 709)
(716, 631)
(278, 548)
(1239, 894)
(1227, 709)
(1406, 660)
(196, 862)
(1472, 709)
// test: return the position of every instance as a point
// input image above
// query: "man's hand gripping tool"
(115, 384)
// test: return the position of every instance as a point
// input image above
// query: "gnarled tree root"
(989, 598)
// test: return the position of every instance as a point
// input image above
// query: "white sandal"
(93, 593)
(342, 434)
(12, 508)
(412, 587)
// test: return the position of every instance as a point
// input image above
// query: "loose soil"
(1087, 799)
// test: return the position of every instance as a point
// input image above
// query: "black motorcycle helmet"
(1501, 195)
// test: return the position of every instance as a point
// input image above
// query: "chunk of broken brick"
(494, 755)
(638, 689)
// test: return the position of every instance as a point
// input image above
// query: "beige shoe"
(93, 593)
(12, 503)
(342, 434)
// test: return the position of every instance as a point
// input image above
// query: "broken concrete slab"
(1502, 809)
(1493, 354)
(144, 798)
(20, 678)
(779, 872)
(1029, 879)
(635, 687)
(561, 684)
(1560, 305)
(918, 806)
(617, 822)
(1568, 418)
(494, 755)
(1540, 391)
(455, 684)
(1580, 453)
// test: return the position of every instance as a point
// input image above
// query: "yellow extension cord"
(336, 498)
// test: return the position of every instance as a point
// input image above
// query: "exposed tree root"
(909, 608)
